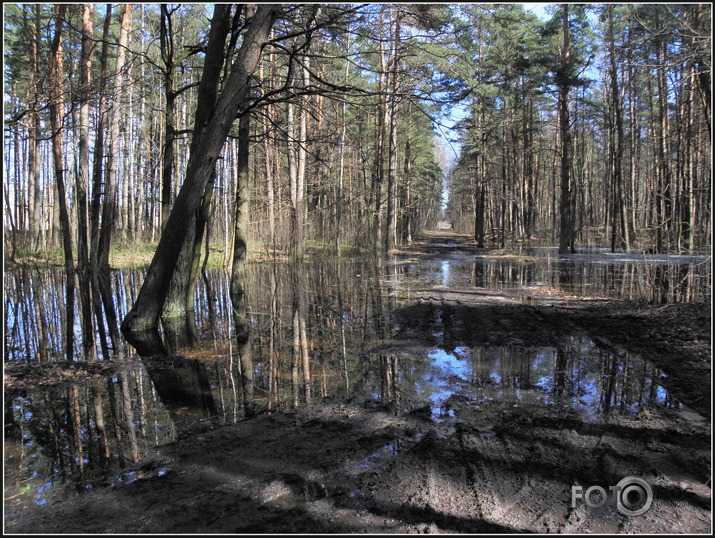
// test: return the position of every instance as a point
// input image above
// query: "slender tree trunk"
(14, 211)
(297, 154)
(268, 155)
(167, 169)
(109, 208)
(83, 269)
(238, 276)
(665, 176)
(479, 192)
(690, 201)
(407, 208)
(56, 115)
(619, 210)
(391, 228)
(566, 230)
(33, 129)
(95, 207)
(240, 229)
(634, 147)
(378, 176)
(339, 205)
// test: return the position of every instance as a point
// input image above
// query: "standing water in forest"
(80, 424)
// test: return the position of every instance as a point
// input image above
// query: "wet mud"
(495, 456)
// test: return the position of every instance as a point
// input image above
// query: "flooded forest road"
(491, 405)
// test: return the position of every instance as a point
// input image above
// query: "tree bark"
(378, 175)
(297, 135)
(109, 208)
(663, 192)
(33, 130)
(180, 297)
(95, 205)
(167, 169)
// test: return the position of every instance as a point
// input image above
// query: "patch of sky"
(448, 364)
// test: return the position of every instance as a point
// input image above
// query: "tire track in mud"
(472, 481)
(513, 497)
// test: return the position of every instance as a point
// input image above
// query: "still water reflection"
(318, 330)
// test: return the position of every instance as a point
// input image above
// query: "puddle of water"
(55, 446)
(577, 378)
(663, 278)
(63, 439)
(376, 458)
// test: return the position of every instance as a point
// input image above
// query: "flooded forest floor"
(363, 467)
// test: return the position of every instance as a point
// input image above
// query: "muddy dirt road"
(482, 467)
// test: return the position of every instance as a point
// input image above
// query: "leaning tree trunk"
(179, 298)
(145, 313)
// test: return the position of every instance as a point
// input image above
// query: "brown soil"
(344, 467)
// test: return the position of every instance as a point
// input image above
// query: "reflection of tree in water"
(310, 327)
(85, 433)
(182, 383)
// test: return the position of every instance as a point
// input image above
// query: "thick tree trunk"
(145, 313)
(180, 295)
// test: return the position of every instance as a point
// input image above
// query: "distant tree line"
(595, 125)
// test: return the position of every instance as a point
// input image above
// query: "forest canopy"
(366, 123)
